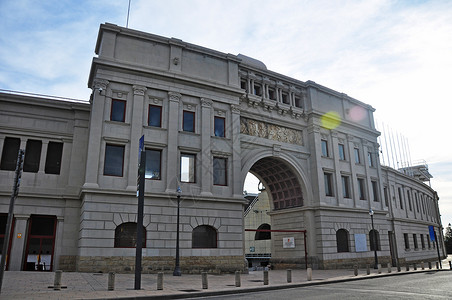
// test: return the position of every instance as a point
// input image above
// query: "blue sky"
(393, 55)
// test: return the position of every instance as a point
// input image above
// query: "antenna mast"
(128, 11)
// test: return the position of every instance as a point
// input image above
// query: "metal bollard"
(355, 270)
(422, 266)
(399, 268)
(437, 265)
(407, 267)
(289, 275)
(368, 269)
(57, 280)
(309, 274)
(389, 268)
(450, 264)
(160, 281)
(237, 279)
(204, 280)
(265, 277)
(430, 265)
(415, 266)
(111, 281)
(379, 268)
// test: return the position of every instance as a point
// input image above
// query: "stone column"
(206, 153)
(353, 183)
(173, 132)
(18, 242)
(337, 172)
(236, 157)
(95, 133)
(136, 131)
(58, 243)
(2, 142)
(42, 162)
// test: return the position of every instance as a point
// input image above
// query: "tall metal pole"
(371, 213)
(20, 158)
(139, 243)
(177, 267)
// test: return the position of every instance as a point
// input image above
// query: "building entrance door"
(40, 243)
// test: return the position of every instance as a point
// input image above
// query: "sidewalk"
(34, 285)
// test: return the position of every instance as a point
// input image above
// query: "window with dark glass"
(385, 191)
(155, 116)
(53, 158)
(9, 154)
(422, 241)
(428, 241)
(357, 158)
(220, 171)
(375, 191)
(342, 241)
(400, 197)
(114, 160)
(32, 156)
(285, 98)
(153, 164)
(298, 102)
(204, 236)
(328, 179)
(374, 238)
(415, 241)
(243, 84)
(126, 236)
(370, 158)
(219, 126)
(361, 189)
(187, 167)
(271, 94)
(406, 240)
(341, 152)
(263, 235)
(345, 186)
(189, 121)
(257, 89)
(325, 148)
(409, 200)
(118, 110)
(417, 202)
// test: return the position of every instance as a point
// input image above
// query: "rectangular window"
(370, 158)
(324, 148)
(417, 202)
(271, 94)
(153, 164)
(409, 200)
(189, 121)
(219, 126)
(118, 110)
(357, 158)
(155, 116)
(407, 241)
(10, 152)
(298, 102)
(328, 178)
(32, 156)
(422, 241)
(375, 190)
(243, 84)
(428, 241)
(285, 98)
(400, 197)
(53, 158)
(114, 160)
(346, 186)
(220, 171)
(385, 191)
(415, 241)
(341, 152)
(361, 189)
(257, 89)
(187, 167)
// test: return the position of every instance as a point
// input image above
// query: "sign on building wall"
(360, 242)
(289, 242)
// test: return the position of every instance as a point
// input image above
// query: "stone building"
(208, 119)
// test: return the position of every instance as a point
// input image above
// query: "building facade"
(208, 119)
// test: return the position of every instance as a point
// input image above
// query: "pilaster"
(206, 155)
(173, 131)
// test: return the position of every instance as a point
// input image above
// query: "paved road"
(430, 285)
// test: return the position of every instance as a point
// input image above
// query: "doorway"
(40, 243)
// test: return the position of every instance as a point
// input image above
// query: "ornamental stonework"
(271, 131)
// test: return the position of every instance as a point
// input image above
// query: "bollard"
(437, 266)
(450, 264)
(389, 268)
(430, 265)
(204, 280)
(57, 280)
(237, 279)
(407, 267)
(289, 275)
(309, 273)
(415, 266)
(399, 268)
(368, 269)
(111, 281)
(355, 270)
(422, 265)
(265, 277)
(160, 281)
(379, 268)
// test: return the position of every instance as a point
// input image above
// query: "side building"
(208, 119)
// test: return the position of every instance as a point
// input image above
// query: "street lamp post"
(371, 213)
(177, 267)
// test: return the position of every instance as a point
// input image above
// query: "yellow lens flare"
(330, 120)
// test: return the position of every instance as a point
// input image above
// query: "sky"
(394, 55)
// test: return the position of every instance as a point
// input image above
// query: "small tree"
(448, 239)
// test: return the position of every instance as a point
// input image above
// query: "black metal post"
(177, 267)
(375, 239)
(437, 249)
(139, 241)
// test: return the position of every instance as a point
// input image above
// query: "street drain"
(189, 291)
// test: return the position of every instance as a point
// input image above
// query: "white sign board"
(360, 242)
(289, 242)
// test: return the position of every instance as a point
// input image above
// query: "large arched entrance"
(277, 207)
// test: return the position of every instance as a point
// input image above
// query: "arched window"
(204, 236)
(342, 240)
(263, 235)
(374, 236)
(126, 236)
